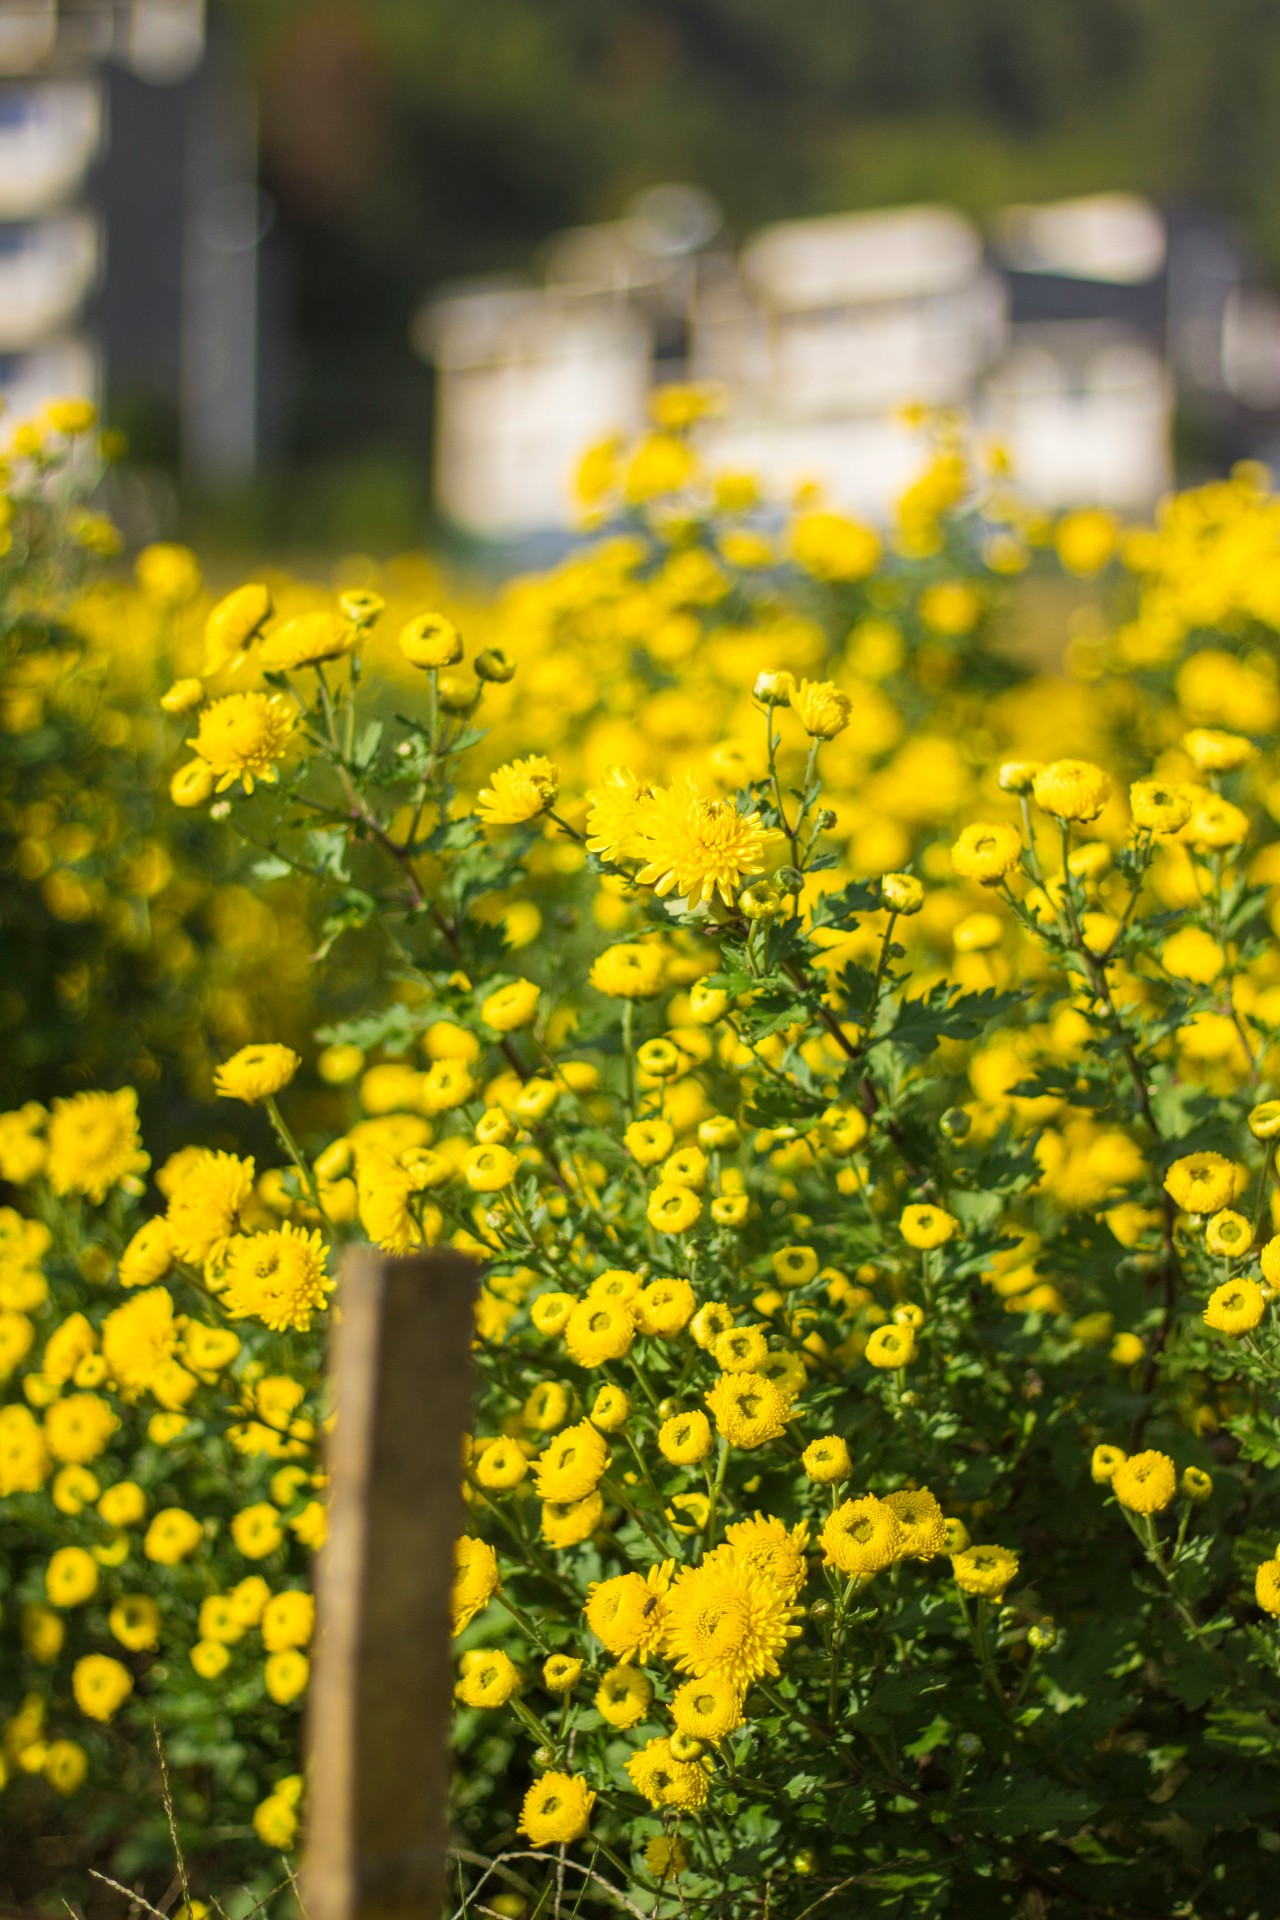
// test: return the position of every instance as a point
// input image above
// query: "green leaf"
(1028, 1803)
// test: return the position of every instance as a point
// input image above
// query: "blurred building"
(1077, 333)
(130, 223)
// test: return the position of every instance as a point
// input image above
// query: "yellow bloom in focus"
(827, 1460)
(556, 1810)
(1072, 790)
(204, 1202)
(561, 1673)
(519, 791)
(615, 816)
(698, 848)
(749, 1410)
(94, 1143)
(986, 852)
(567, 1523)
(242, 736)
(623, 1696)
(707, 1709)
(861, 1537)
(1229, 1235)
(1236, 1307)
(685, 1439)
(985, 1571)
(628, 1614)
(891, 1347)
(101, 1685)
(1266, 1586)
(256, 1072)
(475, 1580)
(924, 1531)
(1145, 1482)
(725, 1621)
(673, 1209)
(765, 1546)
(664, 1781)
(571, 1466)
(598, 1330)
(1203, 1182)
(821, 708)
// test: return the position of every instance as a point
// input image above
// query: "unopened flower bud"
(686, 1746)
(1264, 1121)
(761, 902)
(361, 608)
(968, 1745)
(955, 1123)
(902, 892)
(774, 689)
(493, 664)
(826, 819)
(1016, 776)
(456, 693)
(431, 641)
(1042, 1636)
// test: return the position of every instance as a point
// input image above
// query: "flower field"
(830, 980)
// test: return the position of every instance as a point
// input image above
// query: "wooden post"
(378, 1771)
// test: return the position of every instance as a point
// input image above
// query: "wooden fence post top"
(378, 1773)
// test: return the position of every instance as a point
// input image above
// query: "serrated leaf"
(1028, 1803)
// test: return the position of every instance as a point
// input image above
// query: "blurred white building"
(1068, 332)
(129, 222)
(828, 329)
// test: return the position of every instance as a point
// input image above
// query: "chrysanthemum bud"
(762, 902)
(1016, 776)
(1264, 1121)
(456, 693)
(494, 665)
(902, 892)
(774, 689)
(429, 640)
